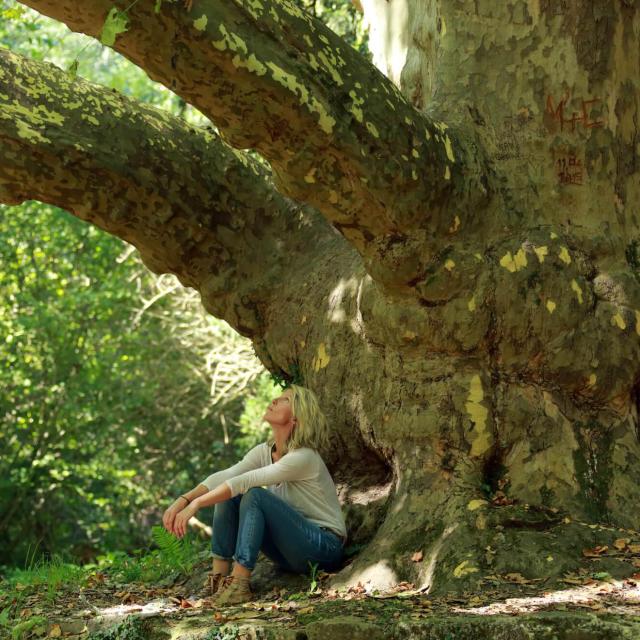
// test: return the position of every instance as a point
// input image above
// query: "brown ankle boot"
(214, 582)
(234, 590)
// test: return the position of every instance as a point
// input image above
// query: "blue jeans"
(261, 521)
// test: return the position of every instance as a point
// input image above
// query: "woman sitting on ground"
(296, 521)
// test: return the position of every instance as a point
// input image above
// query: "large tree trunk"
(483, 335)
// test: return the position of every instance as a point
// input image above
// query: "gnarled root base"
(488, 544)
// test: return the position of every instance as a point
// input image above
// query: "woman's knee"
(252, 496)
(223, 509)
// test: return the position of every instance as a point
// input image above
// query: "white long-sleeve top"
(300, 478)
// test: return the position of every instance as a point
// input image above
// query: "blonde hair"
(312, 429)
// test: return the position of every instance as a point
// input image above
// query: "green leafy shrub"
(53, 573)
(173, 556)
(23, 629)
(177, 553)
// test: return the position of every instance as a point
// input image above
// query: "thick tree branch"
(337, 133)
(189, 203)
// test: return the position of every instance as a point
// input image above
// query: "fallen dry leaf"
(359, 588)
(305, 610)
(55, 632)
(596, 552)
(518, 578)
(243, 615)
(404, 586)
(185, 604)
(501, 500)
(621, 543)
(634, 548)
(417, 556)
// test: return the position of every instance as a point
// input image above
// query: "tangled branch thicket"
(229, 363)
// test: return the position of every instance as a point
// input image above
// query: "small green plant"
(4, 617)
(173, 556)
(37, 624)
(178, 553)
(313, 586)
(53, 573)
(285, 379)
(602, 575)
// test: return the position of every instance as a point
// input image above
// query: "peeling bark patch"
(254, 7)
(541, 252)
(464, 568)
(28, 133)
(356, 106)
(448, 148)
(201, 23)
(290, 82)
(476, 504)
(322, 358)
(230, 40)
(576, 287)
(481, 438)
(514, 263)
(564, 255)
(618, 321)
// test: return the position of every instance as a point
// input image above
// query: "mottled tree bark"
(485, 336)
(190, 204)
(336, 132)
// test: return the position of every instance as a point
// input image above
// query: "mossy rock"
(556, 625)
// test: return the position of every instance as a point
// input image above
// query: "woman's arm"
(180, 503)
(252, 460)
(297, 465)
(219, 494)
(186, 506)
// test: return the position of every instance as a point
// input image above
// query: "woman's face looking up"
(279, 410)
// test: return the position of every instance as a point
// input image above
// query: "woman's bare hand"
(181, 520)
(169, 516)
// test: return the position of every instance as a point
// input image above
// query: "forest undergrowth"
(123, 596)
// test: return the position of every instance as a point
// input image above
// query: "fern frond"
(170, 546)
(174, 552)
